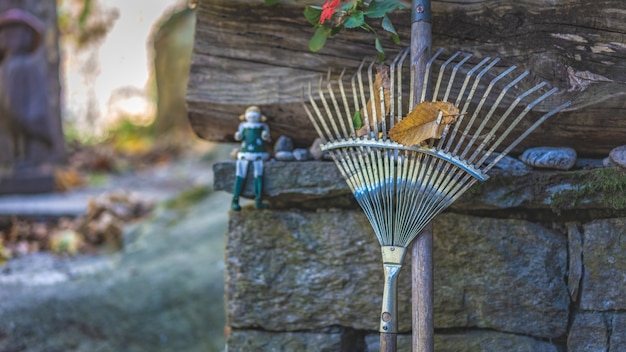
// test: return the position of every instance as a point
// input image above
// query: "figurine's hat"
(17, 16)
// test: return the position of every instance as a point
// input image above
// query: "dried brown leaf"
(421, 123)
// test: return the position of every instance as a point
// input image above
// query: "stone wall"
(530, 262)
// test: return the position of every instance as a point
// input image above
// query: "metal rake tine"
(428, 73)
(416, 194)
(346, 106)
(468, 77)
(420, 204)
(446, 95)
(487, 117)
(480, 106)
(365, 116)
(328, 112)
(442, 70)
(444, 137)
(506, 115)
(466, 182)
(451, 175)
(519, 118)
(355, 97)
(530, 129)
(372, 98)
(401, 190)
(431, 142)
(383, 119)
(444, 180)
(450, 183)
(375, 216)
(404, 190)
(427, 192)
(397, 62)
(312, 119)
(390, 174)
(339, 116)
(356, 168)
(351, 165)
(340, 162)
(441, 176)
(412, 194)
(392, 90)
(400, 182)
(320, 117)
(468, 100)
(424, 178)
(362, 192)
(379, 187)
(454, 71)
(417, 172)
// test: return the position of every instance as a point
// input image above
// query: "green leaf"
(378, 9)
(347, 7)
(319, 39)
(388, 26)
(380, 50)
(356, 120)
(379, 46)
(312, 14)
(356, 20)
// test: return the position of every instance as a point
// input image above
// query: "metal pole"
(422, 253)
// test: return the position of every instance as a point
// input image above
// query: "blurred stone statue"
(24, 105)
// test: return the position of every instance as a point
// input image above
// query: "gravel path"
(152, 184)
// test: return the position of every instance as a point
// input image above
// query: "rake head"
(402, 188)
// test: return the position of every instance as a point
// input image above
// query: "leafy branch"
(330, 19)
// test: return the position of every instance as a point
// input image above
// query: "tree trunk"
(248, 53)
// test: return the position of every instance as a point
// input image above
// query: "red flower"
(328, 10)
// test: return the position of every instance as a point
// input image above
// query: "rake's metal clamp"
(421, 11)
(393, 257)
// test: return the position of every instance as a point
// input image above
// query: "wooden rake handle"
(388, 342)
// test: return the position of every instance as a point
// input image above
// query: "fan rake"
(402, 188)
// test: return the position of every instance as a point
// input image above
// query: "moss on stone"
(187, 198)
(605, 185)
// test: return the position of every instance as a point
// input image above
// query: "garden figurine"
(252, 133)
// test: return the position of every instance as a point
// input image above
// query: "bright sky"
(120, 66)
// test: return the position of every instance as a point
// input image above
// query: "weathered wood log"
(248, 53)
